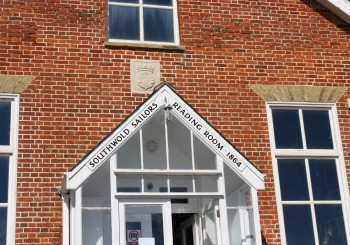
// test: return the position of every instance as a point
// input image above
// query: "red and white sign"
(133, 237)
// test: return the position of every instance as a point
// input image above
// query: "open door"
(190, 231)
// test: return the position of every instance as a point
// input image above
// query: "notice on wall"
(147, 241)
(133, 237)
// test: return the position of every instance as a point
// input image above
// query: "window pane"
(234, 226)
(4, 178)
(241, 226)
(129, 154)
(155, 183)
(287, 129)
(204, 158)
(3, 225)
(206, 183)
(124, 1)
(250, 234)
(153, 136)
(146, 223)
(96, 190)
(5, 115)
(298, 225)
(124, 23)
(292, 176)
(158, 24)
(330, 224)
(129, 183)
(181, 184)
(96, 227)
(179, 137)
(317, 130)
(324, 180)
(159, 2)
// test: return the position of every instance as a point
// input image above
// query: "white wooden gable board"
(338, 7)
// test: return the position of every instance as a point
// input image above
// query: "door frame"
(214, 207)
(166, 212)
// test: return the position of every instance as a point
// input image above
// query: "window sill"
(165, 47)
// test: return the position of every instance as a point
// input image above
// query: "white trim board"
(339, 7)
(164, 96)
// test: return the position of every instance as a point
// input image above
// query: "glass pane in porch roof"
(181, 184)
(129, 154)
(233, 185)
(153, 141)
(206, 184)
(154, 183)
(96, 191)
(179, 140)
(129, 183)
(204, 158)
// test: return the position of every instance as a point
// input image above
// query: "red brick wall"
(82, 89)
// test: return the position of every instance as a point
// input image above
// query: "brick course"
(82, 89)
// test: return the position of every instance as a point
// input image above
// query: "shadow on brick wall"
(328, 15)
(263, 239)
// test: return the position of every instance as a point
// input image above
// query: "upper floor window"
(315, 130)
(8, 152)
(5, 112)
(309, 169)
(152, 21)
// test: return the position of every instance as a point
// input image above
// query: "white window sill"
(111, 45)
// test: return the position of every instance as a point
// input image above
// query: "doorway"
(185, 229)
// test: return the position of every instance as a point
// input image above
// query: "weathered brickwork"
(81, 89)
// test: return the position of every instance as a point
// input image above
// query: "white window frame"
(335, 153)
(11, 151)
(141, 6)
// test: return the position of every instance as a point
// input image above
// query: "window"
(153, 21)
(8, 151)
(308, 168)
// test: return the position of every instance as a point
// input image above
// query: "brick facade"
(81, 89)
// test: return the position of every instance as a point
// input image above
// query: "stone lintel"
(290, 93)
(14, 84)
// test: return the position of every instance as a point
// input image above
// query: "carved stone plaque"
(145, 75)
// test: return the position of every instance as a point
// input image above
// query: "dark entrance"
(177, 220)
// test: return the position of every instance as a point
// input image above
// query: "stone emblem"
(144, 75)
